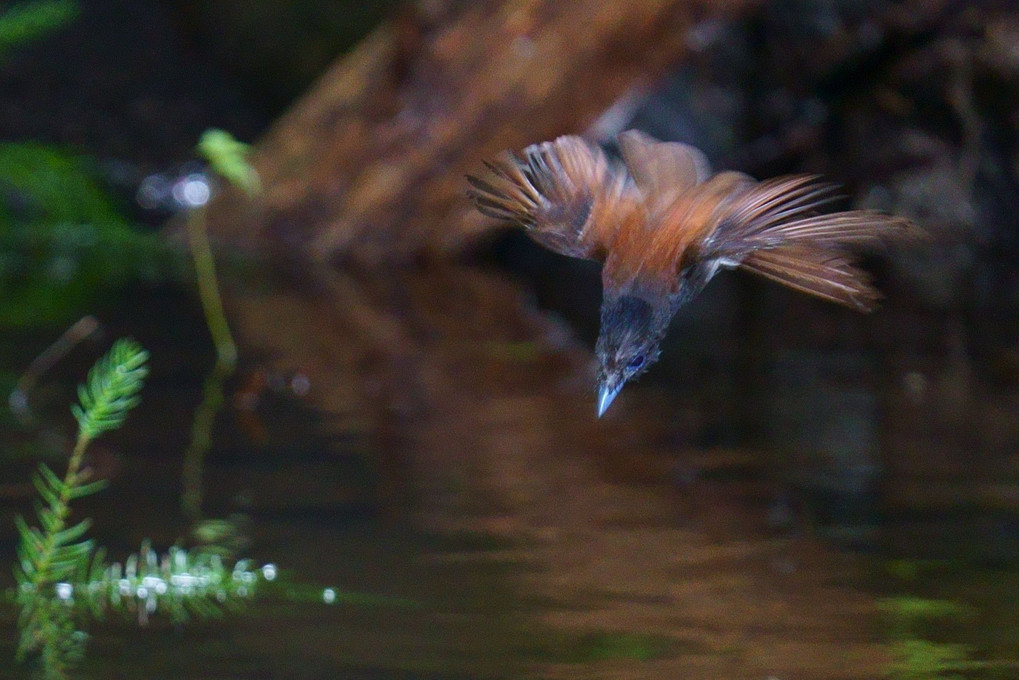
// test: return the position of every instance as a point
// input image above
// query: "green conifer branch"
(55, 551)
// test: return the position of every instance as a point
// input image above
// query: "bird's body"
(663, 225)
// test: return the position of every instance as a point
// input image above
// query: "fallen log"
(368, 166)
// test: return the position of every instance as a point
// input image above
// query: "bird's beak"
(607, 391)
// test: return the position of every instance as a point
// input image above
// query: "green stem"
(208, 291)
(61, 508)
(226, 362)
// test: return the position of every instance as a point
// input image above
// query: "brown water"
(445, 466)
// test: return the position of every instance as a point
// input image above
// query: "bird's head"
(632, 329)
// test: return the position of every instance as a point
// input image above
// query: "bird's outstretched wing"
(771, 228)
(784, 210)
(662, 170)
(566, 193)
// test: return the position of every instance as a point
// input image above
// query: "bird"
(663, 224)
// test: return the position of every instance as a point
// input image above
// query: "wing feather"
(566, 193)
(662, 170)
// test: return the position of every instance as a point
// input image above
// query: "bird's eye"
(635, 363)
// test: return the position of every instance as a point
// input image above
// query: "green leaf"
(31, 539)
(82, 490)
(49, 478)
(73, 533)
(29, 21)
(64, 241)
(229, 158)
(49, 521)
(54, 186)
(47, 493)
(27, 570)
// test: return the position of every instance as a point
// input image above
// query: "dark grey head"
(632, 329)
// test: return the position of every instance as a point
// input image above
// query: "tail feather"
(781, 211)
(822, 273)
(854, 226)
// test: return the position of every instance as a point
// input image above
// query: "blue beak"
(606, 393)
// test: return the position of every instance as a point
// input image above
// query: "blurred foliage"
(229, 158)
(906, 612)
(931, 637)
(63, 243)
(43, 184)
(25, 22)
(925, 660)
(605, 645)
(914, 657)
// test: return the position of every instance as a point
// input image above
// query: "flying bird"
(662, 225)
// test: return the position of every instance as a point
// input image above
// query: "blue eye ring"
(635, 363)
